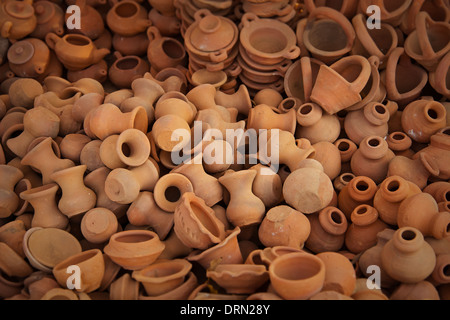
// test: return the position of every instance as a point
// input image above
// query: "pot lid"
(19, 10)
(20, 52)
(44, 11)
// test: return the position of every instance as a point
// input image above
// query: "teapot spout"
(100, 54)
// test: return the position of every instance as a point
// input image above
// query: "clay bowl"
(239, 278)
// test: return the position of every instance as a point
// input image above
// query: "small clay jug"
(439, 190)
(71, 146)
(423, 118)
(328, 228)
(274, 231)
(171, 132)
(50, 18)
(29, 58)
(127, 18)
(372, 158)
(134, 249)
(329, 157)
(215, 120)
(297, 276)
(9, 201)
(18, 19)
(46, 212)
(436, 9)
(240, 100)
(168, 25)
(407, 257)
(126, 69)
(360, 190)
(263, 117)
(169, 190)
(75, 51)
(362, 232)
(392, 191)
(421, 211)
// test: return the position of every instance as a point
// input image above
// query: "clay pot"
(50, 18)
(127, 18)
(129, 148)
(372, 158)
(29, 58)
(284, 226)
(76, 197)
(126, 69)
(362, 232)
(124, 288)
(175, 103)
(297, 276)
(407, 257)
(23, 92)
(145, 212)
(423, 118)
(267, 185)
(422, 290)
(328, 229)
(170, 132)
(339, 273)
(123, 185)
(392, 191)
(98, 225)
(342, 180)
(421, 212)
(372, 120)
(46, 212)
(91, 21)
(391, 12)
(263, 117)
(134, 249)
(439, 190)
(40, 285)
(12, 264)
(360, 190)
(437, 10)
(75, 51)
(215, 120)
(268, 96)
(107, 119)
(256, 33)
(92, 269)
(308, 189)
(347, 84)
(329, 157)
(12, 234)
(72, 144)
(438, 78)
(400, 143)
(18, 19)
(301, 87)
(9, 201)
(168, 25)
(169, 189)
(135, 45)
(429, 42)
(239, 278)
(90, 155)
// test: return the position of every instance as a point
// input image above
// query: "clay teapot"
(91, 21)
(29, 57)
(18, 19)
(126, 69)
(50, 18)
(127, 18)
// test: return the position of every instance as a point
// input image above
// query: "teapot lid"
(20, 52)
(45, 10)
(19, 9)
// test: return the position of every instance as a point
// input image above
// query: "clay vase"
(18, 19)
(76, 197)
(328, 228)
(145, 212)
(193, 214)
(372, 158)
(404, 80)
(347, 84)
(12, 234)
(124, 184)
(75, 51)
(315, 125)
(46, 212)
(372, 120)
(297, 276)
(50, 18)
(134, 249)
(38, 122)
(129, 148)
(263, 117)
(127, 18)
(126, 69)
(340, 275)
(107, 119)
(239, 185)
(92, 269)
(423, 118)
(308, 189)
(29, 58)
(420, 211)
(407, 257)
(362, 232)
(429, 42)
(400, 143)
(9, 201)
(98, 225)
(360, 190)
(169, 190)
(284, 226)
(438, 149)
(438, 78)
(422, 290)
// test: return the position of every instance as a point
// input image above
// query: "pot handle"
(6, 28)
(153, 33)
(247, 18)
(293, 53)
(200, 14)
(52, 39)
(218, 56)
(234, 70)
(283, 67)
(423, 20)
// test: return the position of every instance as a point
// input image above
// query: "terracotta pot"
(215, 120)
(12, 234)
(60, 294)
(23, 92)
(439, 190)
(75, 51)
(169, 25)
(169, 190)
(127, 18)
(438, 78)
(135, 45)
(360, 190)
(9, 199)
(437, 10)
(339, 273)
(29, 58)
(134, 249)
(38, 288)
(46, 212)
(263, 117)
(407, 257)
(297, 276)
(90, 155)
(422, 290)
(268, 96)
(372, 158)
(123, 185)
(174, 248)
(124, 288)
(12, 264)
(49, 18)
(342, 180)
(175, 103)
(347, 84)
(98, 225)
(97, 71)
(328, 155)
(400, 143)
(126, 69)
(111, 271)
(72, 144)
(18, 19)
(328, 229)
(267, 185)
(170, 132)
(274, 230)
(239, 278)
(91, 20)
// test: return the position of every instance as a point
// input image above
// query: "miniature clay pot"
(134, 249)
(72, 144)
(276, 228)
(9, 201)
(407, 257)
(126, 69)
(97, 71)
(340, 275)
(175, 103)
(436, 9)
(23, 92)
(438, 78)
(135, 45)
(127, 18)
(169, 190)
(240, 100)
(422, 290)
(50, 18)
(297, 276)
(29, 58)
(12, 264)
(75, 51)
(90, 155)
(124, 288)
(360, 190)
(170, 132)
(12, 234)
(329, 157)
(263, 117)
(92, 269)
(239, 278)
(328, 229)
(168, 25)
(267, 185)
(400, 143)
(215, 120)
(98, 225)
(18, 19)
(269, 97)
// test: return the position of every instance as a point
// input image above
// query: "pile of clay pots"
(199, 149)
